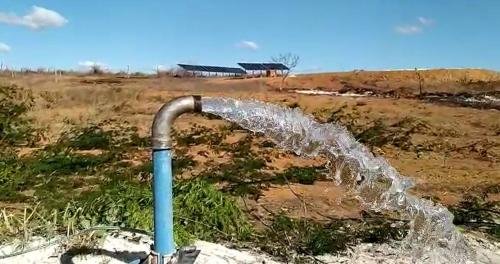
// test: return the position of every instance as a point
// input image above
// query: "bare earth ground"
(462, 144)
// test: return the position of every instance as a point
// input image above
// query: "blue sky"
(327, 35)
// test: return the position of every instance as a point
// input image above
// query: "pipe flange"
(154, 258)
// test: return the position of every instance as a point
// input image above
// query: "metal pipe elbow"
(165, 117)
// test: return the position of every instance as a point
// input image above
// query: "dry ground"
(403, 82)
(464, 143)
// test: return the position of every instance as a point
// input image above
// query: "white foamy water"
(432, 237)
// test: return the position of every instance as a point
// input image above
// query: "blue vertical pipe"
(162, 172)
(162, 196)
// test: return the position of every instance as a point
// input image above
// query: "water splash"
(377, 185)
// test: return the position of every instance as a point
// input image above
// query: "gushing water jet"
(378, 186)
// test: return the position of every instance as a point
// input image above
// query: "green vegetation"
(100, 174)
(376, 133)
(303, 175)
(15, 128)
(475, 212)
(308, 237)
(198, 135)
(107, 135)
(118, 197)
(67, 188)
(401, 133)
(204, 212)
(247, 173)
(12, 179)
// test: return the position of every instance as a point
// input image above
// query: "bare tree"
(96, 69)
(290, 60)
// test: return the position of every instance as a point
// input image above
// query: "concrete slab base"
(125, 247)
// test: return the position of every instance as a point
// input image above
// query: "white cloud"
(89, 64)
(247, 44)
(161, 67)
(4, 47)
(425, 21)
(416, 27)
(408, 29)
(37, 18)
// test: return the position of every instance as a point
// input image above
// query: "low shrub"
(15, 127)
(477, 213)
(286, 235)
(303, 175)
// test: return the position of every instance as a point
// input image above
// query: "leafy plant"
(207, 213)
(119, 203)
(12, 178)
(15, 127)
(286, 235)
(307, 237)
(201, 211)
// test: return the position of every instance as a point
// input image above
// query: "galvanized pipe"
(164, 245)
(162, 124)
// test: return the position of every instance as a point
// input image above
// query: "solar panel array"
(202, 68)
(263, 66)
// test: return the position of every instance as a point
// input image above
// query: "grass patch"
(302, 175)
(307, 237)
(378, 132)
(202, 212)
(106, 135)
(198, 135)
(248, 173)
(242, 176)
(78, 189)
(12, 178)
(476, 213)
(65, 162)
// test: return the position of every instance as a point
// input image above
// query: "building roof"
(204, 68)
(263, 66)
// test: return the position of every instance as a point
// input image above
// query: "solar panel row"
(203, 68)
(246, 66)
(263, 66)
